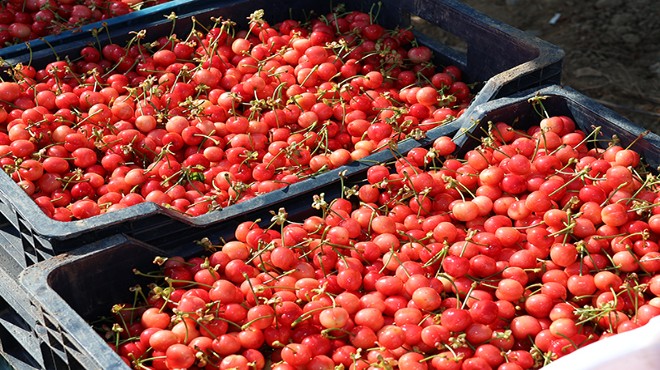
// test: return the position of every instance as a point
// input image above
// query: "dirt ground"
(612, 47)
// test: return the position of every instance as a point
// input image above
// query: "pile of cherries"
(530, 246)
(202, 121)
(24, 20)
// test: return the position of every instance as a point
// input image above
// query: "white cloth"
(637, 349)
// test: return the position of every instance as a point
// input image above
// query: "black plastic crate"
(63, 289)
(519, 112)
(504, 58)
(20, 347)
(19, 51)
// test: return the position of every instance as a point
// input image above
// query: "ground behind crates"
(612, 47)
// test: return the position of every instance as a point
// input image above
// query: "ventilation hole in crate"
(61, 346)
(9, 346)
(70, 347)
(4, 222)
(43, 249)
(51, 358)
(41, 244)
(23, 225)
(4, 305)
(66, 358)
(76, 365)
(436, 33)
(9, 315)
(54, 340)
(56, 356)
(30, 255)
(53, 335)
(27, 240)
(47, 321)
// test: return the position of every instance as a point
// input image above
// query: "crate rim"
(576, 99)
(565, 92)
(35, 281)
(8, 53)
